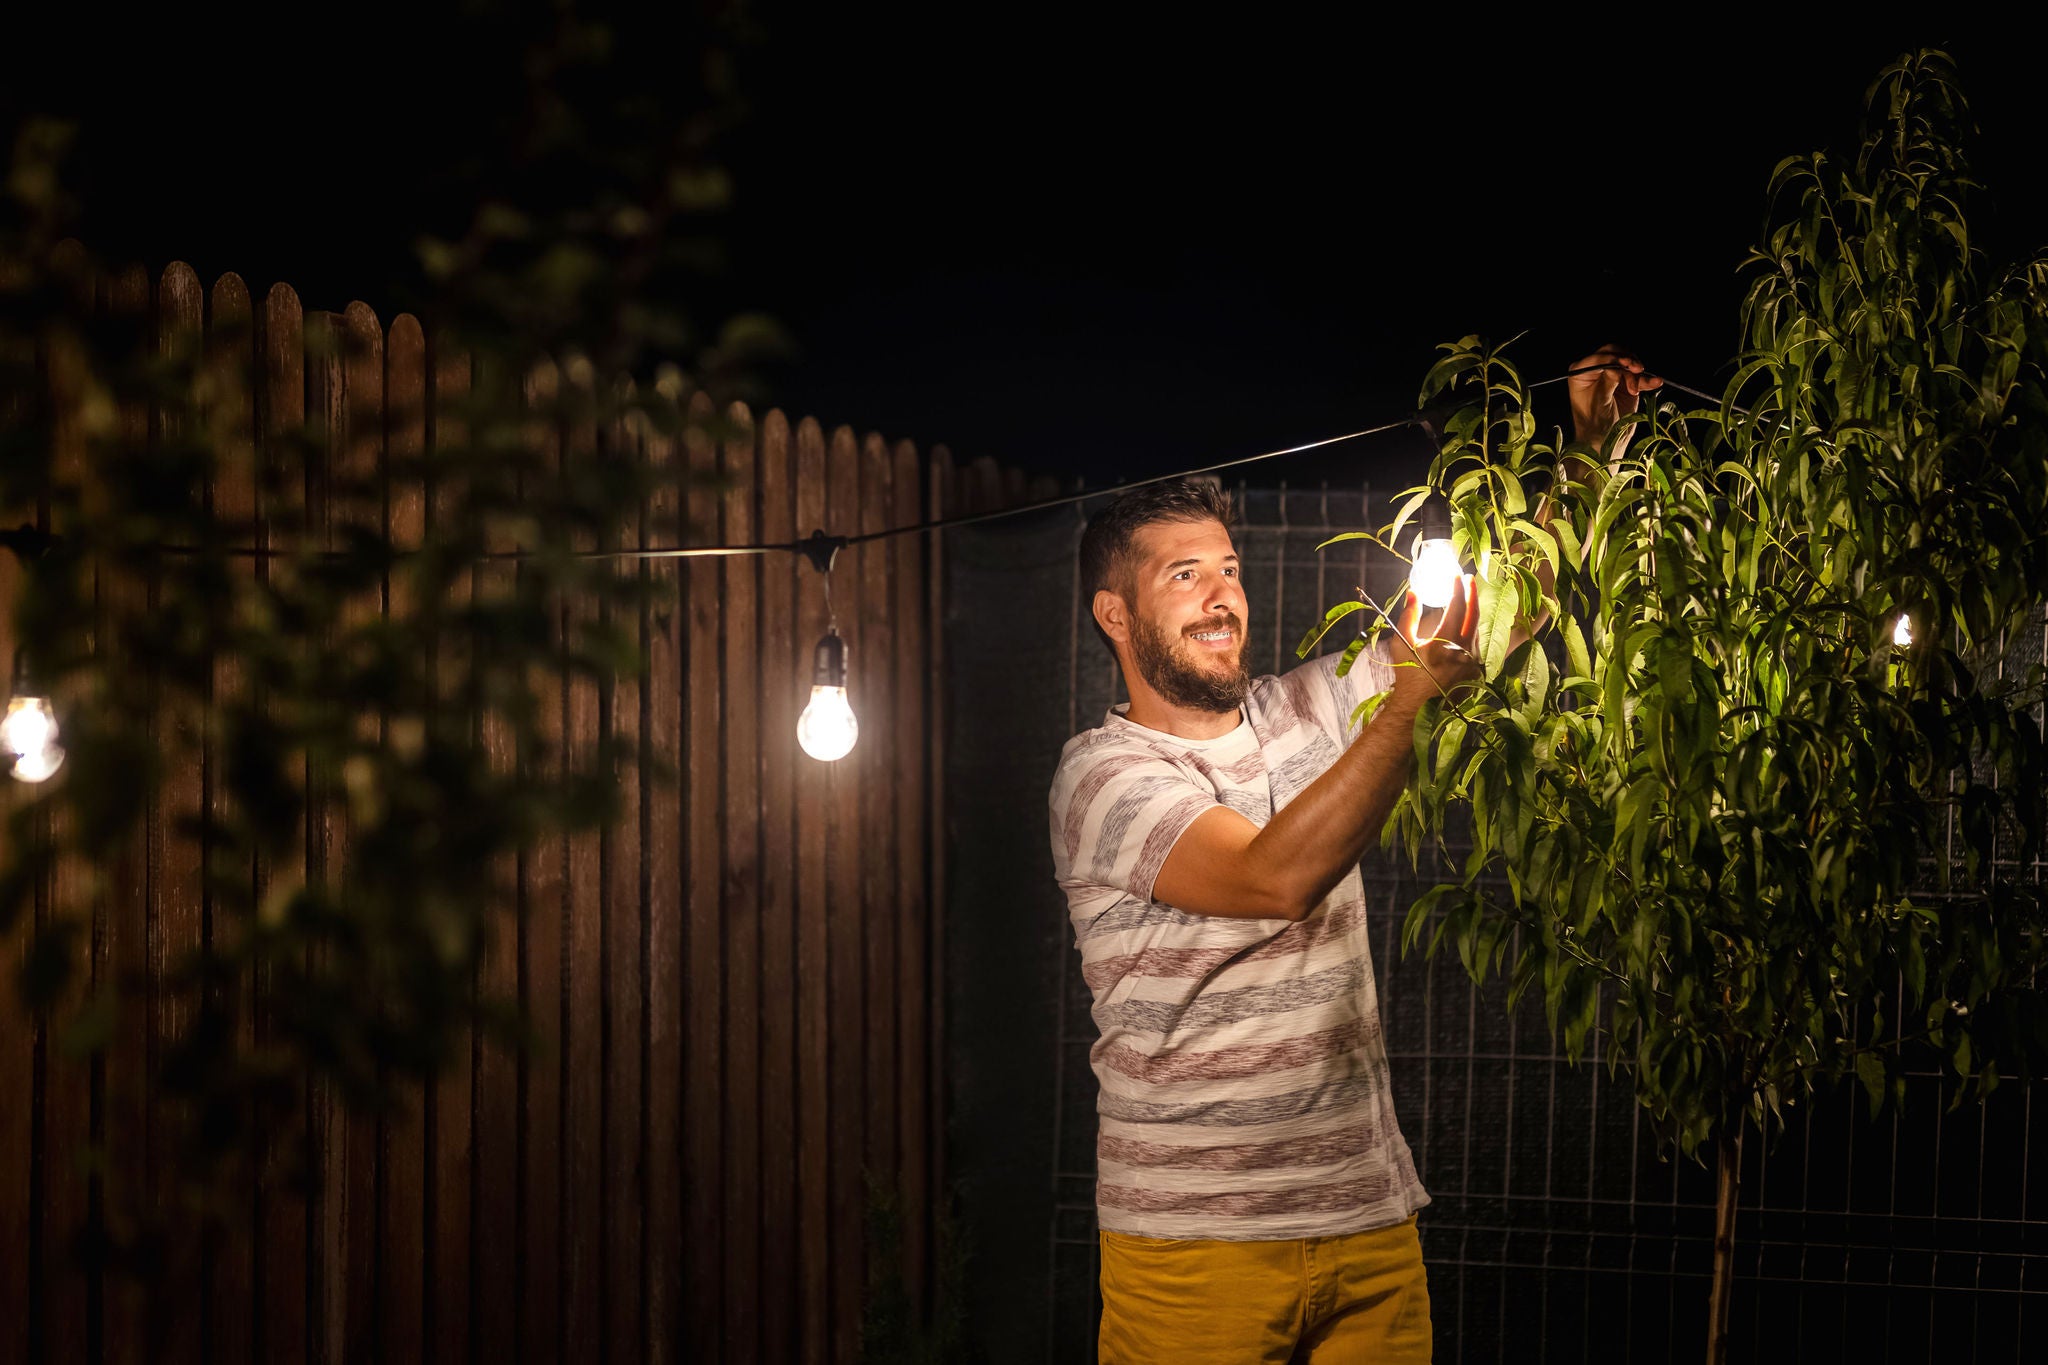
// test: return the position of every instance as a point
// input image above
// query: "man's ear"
(1113, 614)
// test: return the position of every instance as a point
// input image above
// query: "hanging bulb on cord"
(1902, 633)
(1434, 572)
(28, 732)
(827, 729)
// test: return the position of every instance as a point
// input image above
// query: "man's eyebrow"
(1183, 563)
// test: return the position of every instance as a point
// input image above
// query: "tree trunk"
(1728, 1179)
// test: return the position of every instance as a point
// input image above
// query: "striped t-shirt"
(1244, 1089)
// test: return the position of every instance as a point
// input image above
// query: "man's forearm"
(1313, 841)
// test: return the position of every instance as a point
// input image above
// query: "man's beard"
(1179, 679)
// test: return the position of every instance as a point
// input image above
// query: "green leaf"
(1568, 542)
(1575, 648)
(1498, 601)
(1450, 740)
(1544, 541)
(1407, 510)
(1870, 1070)
(1342, 536)
(1322, 627)
(1536, 677)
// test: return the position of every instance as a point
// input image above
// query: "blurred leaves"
(353, 726)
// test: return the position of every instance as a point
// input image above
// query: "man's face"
(1188, 615)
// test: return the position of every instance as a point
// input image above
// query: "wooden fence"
(736, 984)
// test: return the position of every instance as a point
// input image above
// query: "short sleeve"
(1117, 811)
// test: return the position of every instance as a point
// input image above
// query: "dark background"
(1089, 241)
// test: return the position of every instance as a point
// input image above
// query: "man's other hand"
(1601, 397)
(1444, 659)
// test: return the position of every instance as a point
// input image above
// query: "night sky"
(1087, 245)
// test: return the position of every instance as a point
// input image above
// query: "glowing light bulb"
(29, 728)
(1434, 572)
(1902, 633)
(827, 729)
(39, 765)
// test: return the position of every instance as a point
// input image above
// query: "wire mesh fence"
(1559, 1230)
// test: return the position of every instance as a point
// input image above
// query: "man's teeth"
(1214, 635)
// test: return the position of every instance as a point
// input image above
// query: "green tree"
(1709, 801)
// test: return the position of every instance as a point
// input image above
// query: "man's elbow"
(1291, 903)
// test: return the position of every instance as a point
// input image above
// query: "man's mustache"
(1228, 619)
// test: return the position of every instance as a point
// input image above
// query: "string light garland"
(828, 727)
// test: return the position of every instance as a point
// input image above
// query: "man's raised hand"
(1444, 659)
(1609, 389)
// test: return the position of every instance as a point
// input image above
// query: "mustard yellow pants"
(1356, 1300)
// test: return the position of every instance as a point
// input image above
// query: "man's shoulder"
(1103, 744)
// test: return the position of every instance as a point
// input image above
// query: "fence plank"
(284, 1318)
(177, 893)
(879, 920)
(845, 925)
(667, 1297)
(353, 504)
(813, 958)
(704, 970)
(125, 929)
(782, 704)
(495, 1189)
(326, 1210)
(229, 415)
(402, 1228)
(740, 893)
(448, 1105)
(941, 501)
(541, 994)
(64, 1296)
(906, 582)
(625, 982)
(19, 1196)
(583, 1082)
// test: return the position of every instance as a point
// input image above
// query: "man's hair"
(1106, 546)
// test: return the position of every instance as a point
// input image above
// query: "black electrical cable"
(821, 548)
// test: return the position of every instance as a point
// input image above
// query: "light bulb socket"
(821, 549)
(828, 662)
(27, 681)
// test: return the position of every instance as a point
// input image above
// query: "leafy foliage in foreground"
(369, 703)
(1716, 815)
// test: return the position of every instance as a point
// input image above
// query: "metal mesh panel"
(1558, 1231)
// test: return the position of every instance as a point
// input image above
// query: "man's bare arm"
(1225, 865)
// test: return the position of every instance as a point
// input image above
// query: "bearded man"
(1255, 1197)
